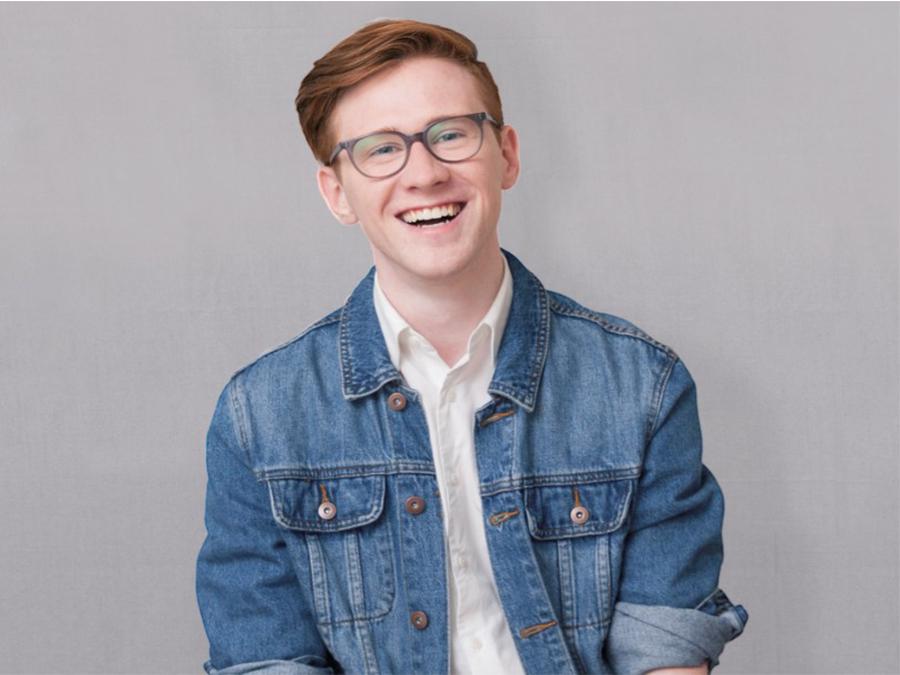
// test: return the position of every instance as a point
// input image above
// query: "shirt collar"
(395, 327)
(366, 364)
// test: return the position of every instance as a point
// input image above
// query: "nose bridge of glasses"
(433, 159)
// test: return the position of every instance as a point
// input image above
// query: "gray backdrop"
(724, 175)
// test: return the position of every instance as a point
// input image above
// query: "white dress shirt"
(480, 638)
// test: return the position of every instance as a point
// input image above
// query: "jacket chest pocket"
(572, 529)
(346, 540)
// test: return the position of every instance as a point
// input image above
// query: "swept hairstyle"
(370, 50)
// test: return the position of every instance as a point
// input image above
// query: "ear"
(335, 196)
(509, 150)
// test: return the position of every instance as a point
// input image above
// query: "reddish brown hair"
(371, 49)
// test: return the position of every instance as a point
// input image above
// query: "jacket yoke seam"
(596, 318)
(327, 320)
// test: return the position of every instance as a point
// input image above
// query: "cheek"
(368, 202)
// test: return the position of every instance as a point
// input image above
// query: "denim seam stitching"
(238, 421)
(318, 577)
(595, 318)
(587, 624)
(559, 480)
(427, 469)
(515, 431)
(604, 578)
(352, 471)
(543, 341)
(343, 348)
(568, 601)
(328, 319)
(659, 395)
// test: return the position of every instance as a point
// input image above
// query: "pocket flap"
(549, 508)
(355, 501)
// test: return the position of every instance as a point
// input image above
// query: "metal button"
(415, 505)
(327, 510)
(397, 401)
(419, 620)
(579, 515)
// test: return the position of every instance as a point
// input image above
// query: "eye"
(448, 136)
(378, 147)
(382, 150)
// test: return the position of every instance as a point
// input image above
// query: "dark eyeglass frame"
(348, 145)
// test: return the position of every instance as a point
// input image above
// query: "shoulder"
(574, 317)
(311, 342)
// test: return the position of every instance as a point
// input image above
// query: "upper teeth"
(415, 215)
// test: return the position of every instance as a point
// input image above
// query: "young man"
(458, 470)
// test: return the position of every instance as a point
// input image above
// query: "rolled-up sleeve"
(670, 611)
(252, 606)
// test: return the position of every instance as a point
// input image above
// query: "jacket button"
(579, 515)
(397, 401)
(327, 510)
(419, 620)
(415, 505)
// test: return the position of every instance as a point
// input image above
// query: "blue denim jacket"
(313, 563)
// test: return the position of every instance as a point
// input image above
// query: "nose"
(423, 169)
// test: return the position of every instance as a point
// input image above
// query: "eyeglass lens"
(384, 153)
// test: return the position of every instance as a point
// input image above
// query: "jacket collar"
(366, 364)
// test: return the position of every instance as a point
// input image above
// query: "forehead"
(405, 97)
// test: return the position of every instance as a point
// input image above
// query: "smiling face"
(407, 97)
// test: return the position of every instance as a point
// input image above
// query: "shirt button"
(579, 515)
(419, 620)
(415, 505)
(397, 401)
(451, 396)
(476, 645)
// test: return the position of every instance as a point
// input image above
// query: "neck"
(446, 312)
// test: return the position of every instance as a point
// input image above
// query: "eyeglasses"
(385, 153)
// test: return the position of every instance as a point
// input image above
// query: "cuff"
(303, 665)
(644, 637)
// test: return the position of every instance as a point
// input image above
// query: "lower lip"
(436, 229)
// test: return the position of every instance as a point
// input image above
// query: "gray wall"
(724, 175)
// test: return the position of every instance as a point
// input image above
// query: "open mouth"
(433, 217)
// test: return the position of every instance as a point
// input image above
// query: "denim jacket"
(603, 525)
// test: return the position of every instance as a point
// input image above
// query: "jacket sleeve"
(252, 606)
(669, 610)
